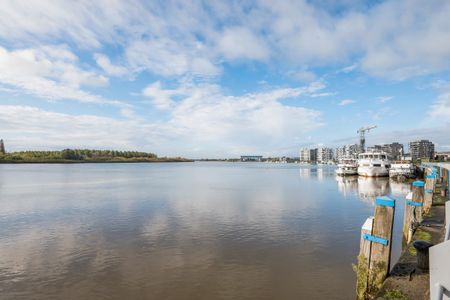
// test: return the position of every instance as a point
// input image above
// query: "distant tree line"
(79, 155)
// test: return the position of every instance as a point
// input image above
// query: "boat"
(402, 169)
(347, 166)
(373, 164)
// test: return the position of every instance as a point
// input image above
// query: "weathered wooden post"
(429, 189)
(362, 268)
(445, 183)
(381, 239)
(448, 181)
(439, 171)
(413, 211)
(375, 249)
(448, 178)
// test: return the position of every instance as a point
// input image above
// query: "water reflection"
(369, 188)
(347, 185)
(170, 231)
(320, 172)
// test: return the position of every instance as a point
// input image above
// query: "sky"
(222, 78)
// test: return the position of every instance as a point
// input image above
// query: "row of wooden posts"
(376, 233)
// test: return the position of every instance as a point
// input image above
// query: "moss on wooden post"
(380, 257)
(362, 267)
(375, 249)
(412, 215)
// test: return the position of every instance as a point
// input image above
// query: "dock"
(415, 275)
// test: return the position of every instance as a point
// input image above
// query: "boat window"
(370, 156)
(376, 156)
(383, 156)
(377, 165)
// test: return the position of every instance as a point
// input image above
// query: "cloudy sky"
(222, 78)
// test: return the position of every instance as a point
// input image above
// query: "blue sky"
(222, 78)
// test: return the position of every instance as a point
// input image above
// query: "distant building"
(2, 147)
(251, 158)
(442, 156)
(313, 153)
(308, 155)
(421, 149)
(353, 150)
(324, 154)
(348, 151)
(374, 148)
(339, 153)
(393, 150)
(304, 155)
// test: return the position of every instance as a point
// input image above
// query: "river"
(202, 230)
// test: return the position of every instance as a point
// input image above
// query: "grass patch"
(394, 295)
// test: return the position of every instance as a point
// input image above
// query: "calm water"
(182, 231)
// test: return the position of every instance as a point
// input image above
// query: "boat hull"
(344, 172)
(402, 173)
(373, 171)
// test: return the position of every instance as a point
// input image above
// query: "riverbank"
(92, 161)
(406, 280)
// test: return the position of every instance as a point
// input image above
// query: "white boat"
(373, 164)
(402, 168)
(347, 166)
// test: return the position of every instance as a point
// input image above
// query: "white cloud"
(49, 72)
(325, 94)
(104, 62)
(241, 43)
(177, 38)
(440, 109)
(204, 115)
(168, 58)
(161, 99)
(304, 75)
(346, 102)
(25, 127)
(203, 121)
(349, 69)
(384, 99)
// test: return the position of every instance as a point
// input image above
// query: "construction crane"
(362, 136)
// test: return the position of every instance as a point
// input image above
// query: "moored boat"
(402, 169)
(373, 164)
(347, 166)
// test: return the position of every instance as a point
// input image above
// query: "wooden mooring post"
(430, 183)
(412, 215)
(375, 249)
(445, 189)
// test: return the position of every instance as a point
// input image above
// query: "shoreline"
(64, 162)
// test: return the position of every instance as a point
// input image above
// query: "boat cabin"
(372, 156)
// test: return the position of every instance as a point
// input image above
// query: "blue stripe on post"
(385, 201)
(375, 239)
(412, 203)
(418, 183)
(429, 191)
(429, 177)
